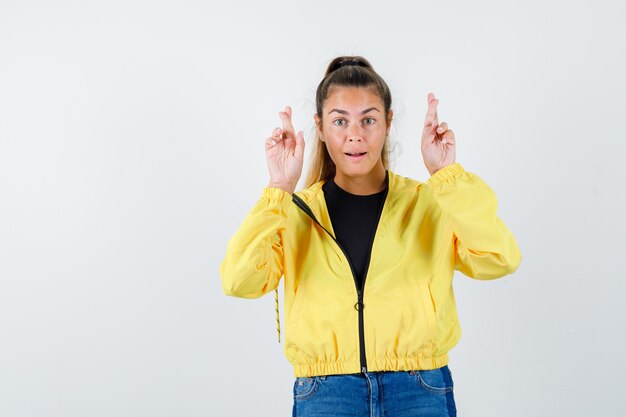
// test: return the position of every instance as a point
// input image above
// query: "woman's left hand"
(438, 143)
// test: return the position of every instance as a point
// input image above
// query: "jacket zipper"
(359, 304)
(361, 292)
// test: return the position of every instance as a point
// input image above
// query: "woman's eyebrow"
(345, 112)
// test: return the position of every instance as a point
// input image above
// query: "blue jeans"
(376, 394)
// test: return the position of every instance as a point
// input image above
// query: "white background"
(131, 148)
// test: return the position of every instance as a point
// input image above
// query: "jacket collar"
(311, 201)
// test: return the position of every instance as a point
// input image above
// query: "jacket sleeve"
(254, 261)
(484, 247)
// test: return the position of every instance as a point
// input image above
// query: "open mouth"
(356, 154)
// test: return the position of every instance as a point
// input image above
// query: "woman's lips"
(355, 156)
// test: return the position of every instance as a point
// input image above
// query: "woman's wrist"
(283, 186)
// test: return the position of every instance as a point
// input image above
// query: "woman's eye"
(371, 121)
(339, 120)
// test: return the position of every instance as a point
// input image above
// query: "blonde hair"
(358, 73)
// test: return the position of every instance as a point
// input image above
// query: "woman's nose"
(354, 133)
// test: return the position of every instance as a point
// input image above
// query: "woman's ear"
(389, 119)
(318, 126)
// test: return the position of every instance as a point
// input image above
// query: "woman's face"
(354, 129)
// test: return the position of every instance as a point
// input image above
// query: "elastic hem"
(407, 363)
(445, 174)
(326, 368)
(375, 365)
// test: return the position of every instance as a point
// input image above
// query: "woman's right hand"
(285, 152)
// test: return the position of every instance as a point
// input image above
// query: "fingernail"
(439, 130)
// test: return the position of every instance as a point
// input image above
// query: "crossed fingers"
(441, 131)
(278, 133)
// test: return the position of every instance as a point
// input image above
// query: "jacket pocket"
(296, 309)
(428, 307)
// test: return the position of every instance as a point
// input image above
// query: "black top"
(354, 219)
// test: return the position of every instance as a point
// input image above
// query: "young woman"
(367, 255)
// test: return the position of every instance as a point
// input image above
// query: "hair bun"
(347, 61)
(350, 62)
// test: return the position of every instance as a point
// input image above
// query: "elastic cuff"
(445, 173)
(276, 195)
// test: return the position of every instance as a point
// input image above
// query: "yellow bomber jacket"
(405, 317)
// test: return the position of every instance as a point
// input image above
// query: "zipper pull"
(359, 303)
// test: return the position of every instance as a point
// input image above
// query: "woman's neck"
(368, 184)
